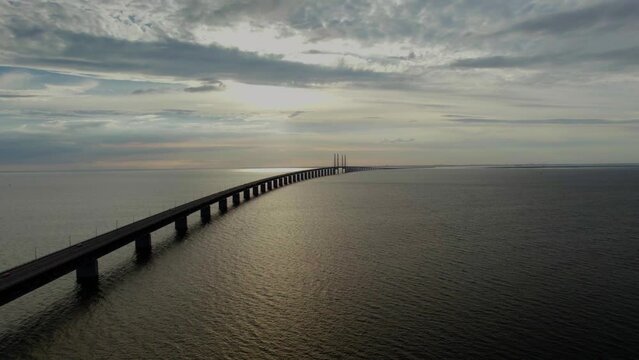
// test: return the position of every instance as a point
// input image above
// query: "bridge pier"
(205, 214)
(143, 244)
(236, 199)
(262, 188)
(269, 186)
(87, 272)
(256, 192)
(223, 205)
(247, 194)
(181, 226)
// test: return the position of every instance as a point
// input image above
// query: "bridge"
(83, 257)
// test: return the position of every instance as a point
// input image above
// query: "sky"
(165, 84)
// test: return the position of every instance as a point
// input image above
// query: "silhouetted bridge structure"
(83, 257)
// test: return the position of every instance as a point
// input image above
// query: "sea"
(442, 262)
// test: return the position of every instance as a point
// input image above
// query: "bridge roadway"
(82, 257)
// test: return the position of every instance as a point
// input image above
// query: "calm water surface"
(447, 263)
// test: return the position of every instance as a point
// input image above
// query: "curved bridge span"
(83, 257)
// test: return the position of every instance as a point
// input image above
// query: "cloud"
(621, 57)
(15, 80)
(397, 141)
(379, 69)
(80, 52)
(482, 121)
(295, 114)
(610, 14)
(16, 96)
(149, 91)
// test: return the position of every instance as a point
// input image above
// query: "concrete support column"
(247, 194)
(87, 271)
(143, 244)
(256, 191)
(262, 188)
(181, 226)
(236, 199)
(269, 187)
(223, 205)
(205, 214)
(280, 182)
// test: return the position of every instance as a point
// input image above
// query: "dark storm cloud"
(84, 52)
(609, 14)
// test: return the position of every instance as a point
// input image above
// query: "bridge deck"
(24, 278)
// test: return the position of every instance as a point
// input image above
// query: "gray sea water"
(419, 263)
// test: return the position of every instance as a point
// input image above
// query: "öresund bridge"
(83, 257)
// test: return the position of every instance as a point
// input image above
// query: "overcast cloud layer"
(243, 83)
